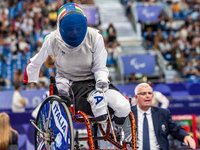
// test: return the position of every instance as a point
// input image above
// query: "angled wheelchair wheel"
(55, 124)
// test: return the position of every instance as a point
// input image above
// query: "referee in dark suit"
(155, 124)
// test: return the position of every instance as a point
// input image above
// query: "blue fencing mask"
(72, 24)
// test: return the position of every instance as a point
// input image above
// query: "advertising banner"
(148, 13)
(91, 14)
(144, 64)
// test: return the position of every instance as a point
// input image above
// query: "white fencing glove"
(101, 86)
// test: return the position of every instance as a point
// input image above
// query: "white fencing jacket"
(87, 61)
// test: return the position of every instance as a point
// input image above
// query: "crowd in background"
(24, 24)
(176, 36)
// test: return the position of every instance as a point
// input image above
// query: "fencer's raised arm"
(33, 67)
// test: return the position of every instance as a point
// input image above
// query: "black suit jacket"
(163, 126)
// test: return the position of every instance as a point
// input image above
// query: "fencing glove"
(101, 86)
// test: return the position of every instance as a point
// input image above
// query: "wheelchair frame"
(94, 138)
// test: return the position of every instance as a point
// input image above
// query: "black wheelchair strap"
(82, 88)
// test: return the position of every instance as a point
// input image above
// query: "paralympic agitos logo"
(60, 121)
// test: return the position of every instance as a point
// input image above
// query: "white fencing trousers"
(114, 99)
(118, 103)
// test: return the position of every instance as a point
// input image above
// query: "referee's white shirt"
(152, 137)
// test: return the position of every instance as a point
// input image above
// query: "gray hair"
(144, 84)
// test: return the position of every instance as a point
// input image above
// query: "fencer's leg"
(119, 104)
(98, 106)
(121, 107)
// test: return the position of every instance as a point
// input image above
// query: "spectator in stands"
(195, 12)
(155, 45)
(182, 33)
(171, 39)
(22, 45)
(160, 35)
(155, 121)
(176, 79)
(18, 77)
(53, 18)
(2, 82)
(111, 33)
(180, 60)
(43, 78)
(18, 102)
(188, 20)
(2, 39)
(45, 24)
(4, 17)
(164, 46)
(27, 29)
(51, 6)
(184, 8)
(114, 51)
(31, 86)
(175, 7)
(128, 4)
(8, 136)
(193, 57)
(188, 70)
(197, 69)
(171, 25)
(190, 37)
(149, 38)
(39, 44)
(161, 21)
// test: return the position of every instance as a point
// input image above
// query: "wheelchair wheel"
(55, 122)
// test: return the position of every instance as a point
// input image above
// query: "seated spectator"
(115, 50)
(197, 69)
(51, 6)
(149, 37)
(164, 46)
(39, 44)
(161, 21)
(27, 29)
(193, 57)
(22, 45)
(53, 18)
(190, 37)
(195, 13)
(184, 8)
(18, 77)
(160, 35)
(188, 70)
(155, 45)
(175, 9)
(171, 25)
(8, 136)
(2, 39)
(111, 33)
(181, 60)
(43, 78)
(18, 102)
(2, 83)
(31, 86)
(4, 17)
(170, 38)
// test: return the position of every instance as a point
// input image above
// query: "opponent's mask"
(72, 24)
